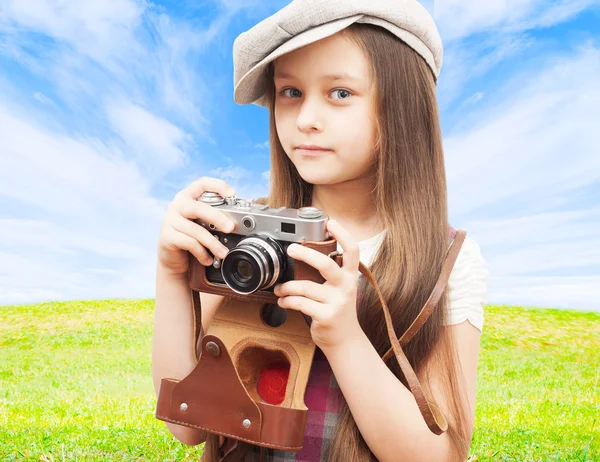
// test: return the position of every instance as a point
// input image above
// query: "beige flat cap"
(306, 21)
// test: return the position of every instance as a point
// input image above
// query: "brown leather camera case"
(219, 395)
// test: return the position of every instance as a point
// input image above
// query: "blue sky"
(107, 109)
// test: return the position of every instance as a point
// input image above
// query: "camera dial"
(310, 212)
(212, 198)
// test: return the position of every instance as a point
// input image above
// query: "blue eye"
(342, 90)
(286, 89)
(298, 93)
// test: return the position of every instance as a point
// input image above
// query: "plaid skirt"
(324, 401)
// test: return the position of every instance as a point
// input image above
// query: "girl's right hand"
(179, 234)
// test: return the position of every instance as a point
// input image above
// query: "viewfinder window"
(289, 228)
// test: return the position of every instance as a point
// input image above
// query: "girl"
(354, 131)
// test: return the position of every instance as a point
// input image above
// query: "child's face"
(312, 109)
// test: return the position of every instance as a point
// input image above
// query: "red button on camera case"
(272, 382)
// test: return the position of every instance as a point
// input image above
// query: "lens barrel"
(255, 263)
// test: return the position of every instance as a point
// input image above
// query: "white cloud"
(46, 236)
(504, 30)
(234, 174)
(155, 140)
(247, 184)
(464, 63)
(83, 219)
(474, 98)
(264, 145)
(37, 277)
(39, 96)
(67, 176)
(542, 242)
(114, 49)
(461, 18)
(94, 28)
(523, 155)
(91, 207)
(535, 138)
(569, 292)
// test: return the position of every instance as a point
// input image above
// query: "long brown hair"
(409, 195)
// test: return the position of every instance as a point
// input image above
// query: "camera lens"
(256, 263)
(243, 271)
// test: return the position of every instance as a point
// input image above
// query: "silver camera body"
(257, 258)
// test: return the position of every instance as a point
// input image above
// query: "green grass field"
(76, 384)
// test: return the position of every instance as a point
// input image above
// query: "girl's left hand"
(331, 305)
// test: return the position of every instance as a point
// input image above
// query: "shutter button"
(309, 212)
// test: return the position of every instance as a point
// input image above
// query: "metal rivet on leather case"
(183, 407)
(213, 349)
(246, 423)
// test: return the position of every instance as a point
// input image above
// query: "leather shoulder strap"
(434, 418)
(436, 293)
(198, 330)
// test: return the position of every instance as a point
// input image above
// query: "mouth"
(311, 151)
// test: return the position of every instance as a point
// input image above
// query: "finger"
(351, 251)
(204, 184)
(317, 292)
(200, 234)
(328, 268)
(183, 241)
(305, 305)
(196, 210)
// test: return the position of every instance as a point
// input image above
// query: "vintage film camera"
(252, 347)
(257, 259)
(254, 361)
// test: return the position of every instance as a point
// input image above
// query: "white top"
(467, 285)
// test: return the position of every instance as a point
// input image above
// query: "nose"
(310, 116)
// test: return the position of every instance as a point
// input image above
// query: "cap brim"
(252, 86)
